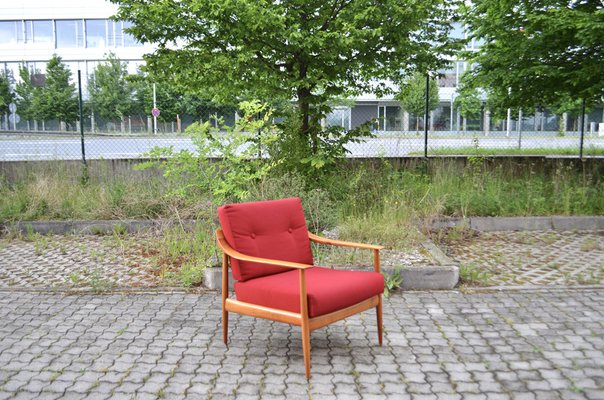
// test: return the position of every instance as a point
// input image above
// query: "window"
(42, 31)
(478, 43)
(339, 117)
(457, 32)
(70, 33)
(11, 32)
(381, 118)
(29, 31)
(116, 34)
(129, 40)
(393, 118)
(389, 118)
(447, 76)
(96, 33)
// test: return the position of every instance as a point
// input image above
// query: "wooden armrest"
(228, 250)
(333, 242)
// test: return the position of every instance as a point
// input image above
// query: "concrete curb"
(491, 224)
(94, 227)
(443, 276)
(66, 291)
(528, 288)
(212, 278)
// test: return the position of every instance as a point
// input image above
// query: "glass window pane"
(457, 32)
(42, 31)
(116, 34)
(29, 33)
(11, 32)
(129, 40)
(447, 76)
(70, 33)
(338, 117)
(381, 117)
(96, 33)
(393, 118)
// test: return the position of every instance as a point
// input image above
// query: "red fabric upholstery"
(270, 229)
(328, 289)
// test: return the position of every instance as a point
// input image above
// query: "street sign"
(155, 112)
(14, 118)
(12, 107)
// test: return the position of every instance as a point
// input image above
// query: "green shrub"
(320, 210)
(195, 174)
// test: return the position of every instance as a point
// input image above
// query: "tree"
(571, 107)
(110, 92)
(468, 100)
(57, 99)
(412, 96)
(6, 94)
(24, 91)
(469, 104)
(170, 100)
(300, 50)
(537, 52)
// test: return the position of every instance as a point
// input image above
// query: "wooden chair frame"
(299, 319)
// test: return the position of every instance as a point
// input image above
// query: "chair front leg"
(378, 309)
(225, 295)
(305, 324)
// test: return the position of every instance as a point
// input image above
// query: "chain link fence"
(396, 134)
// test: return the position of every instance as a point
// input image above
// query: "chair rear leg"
(225, 326)
(378, 310)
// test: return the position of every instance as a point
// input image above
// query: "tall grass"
(363, 200)
(385, 205)
(59, 194)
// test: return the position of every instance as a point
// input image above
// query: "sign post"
(13, 117)
(154, 111)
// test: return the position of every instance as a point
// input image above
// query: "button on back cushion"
(273, 229)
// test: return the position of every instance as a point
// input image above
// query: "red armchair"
(267, 245)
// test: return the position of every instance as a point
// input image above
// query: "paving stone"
(73, 261)
(534, 258)
(467, 320)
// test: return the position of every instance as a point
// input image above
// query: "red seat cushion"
(269, 229)
(328, 290)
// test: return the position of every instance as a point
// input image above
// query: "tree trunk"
(304, 96)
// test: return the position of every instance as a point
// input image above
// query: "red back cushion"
(270, 229)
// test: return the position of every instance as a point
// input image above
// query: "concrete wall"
(14, 171)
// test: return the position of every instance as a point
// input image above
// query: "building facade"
(82, 34)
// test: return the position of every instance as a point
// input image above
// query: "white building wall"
(84, 57)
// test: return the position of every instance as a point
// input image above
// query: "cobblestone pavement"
(530, 344)
(60, 261)
(535, 257)
(101, 262)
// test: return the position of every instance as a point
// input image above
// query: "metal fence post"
(81, 117)
(582, 129)
(84, 178)
(426, 111)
